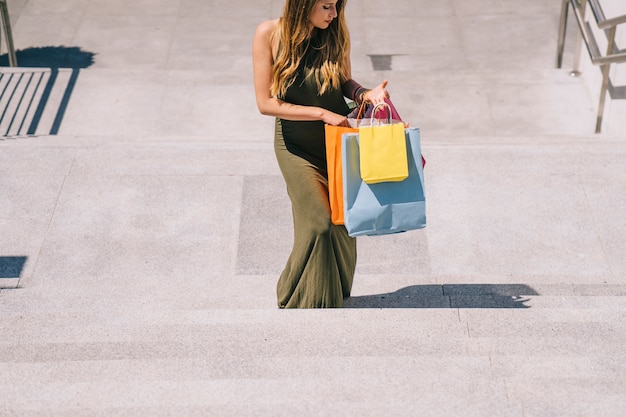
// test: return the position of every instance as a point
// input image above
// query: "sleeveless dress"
(320, 268)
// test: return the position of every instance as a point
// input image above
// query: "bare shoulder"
(264, 43)
(265, 29)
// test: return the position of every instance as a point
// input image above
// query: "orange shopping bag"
(335, 173)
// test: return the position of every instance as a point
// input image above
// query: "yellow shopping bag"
(383, 156)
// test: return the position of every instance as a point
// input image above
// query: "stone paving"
(144, 223)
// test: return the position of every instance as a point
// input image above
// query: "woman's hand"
(334, 119)
(378, 94)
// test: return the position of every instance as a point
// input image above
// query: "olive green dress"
(320, 269)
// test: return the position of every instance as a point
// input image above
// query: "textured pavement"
(144, 222)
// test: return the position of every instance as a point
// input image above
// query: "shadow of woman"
(448, 296)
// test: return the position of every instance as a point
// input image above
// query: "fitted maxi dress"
(320, 268)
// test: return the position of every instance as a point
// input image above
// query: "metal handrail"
(612, 55)
(603, 22)
(594, 52)
(6, 23)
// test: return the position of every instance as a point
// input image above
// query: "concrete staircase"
(141, 244)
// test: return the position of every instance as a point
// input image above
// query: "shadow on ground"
(448, 296)
(10, 270)
(11, 266)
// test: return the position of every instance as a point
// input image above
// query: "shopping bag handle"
(376, 108)
(362, 108)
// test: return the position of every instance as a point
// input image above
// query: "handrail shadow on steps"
(25, 93)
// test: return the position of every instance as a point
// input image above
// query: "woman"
(302, 72)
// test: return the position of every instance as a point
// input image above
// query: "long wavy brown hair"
(294, 35)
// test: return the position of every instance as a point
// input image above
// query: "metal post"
(575, 72)
(562, 29)
(605, 79)
(8, 34)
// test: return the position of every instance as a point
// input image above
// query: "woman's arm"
(262, 62)
(355, 91)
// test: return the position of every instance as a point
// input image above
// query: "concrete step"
(357, 385)
(246, 362)
(155, 331)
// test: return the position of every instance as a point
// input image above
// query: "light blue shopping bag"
(386, 207)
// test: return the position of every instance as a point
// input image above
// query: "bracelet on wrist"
(361, 97)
